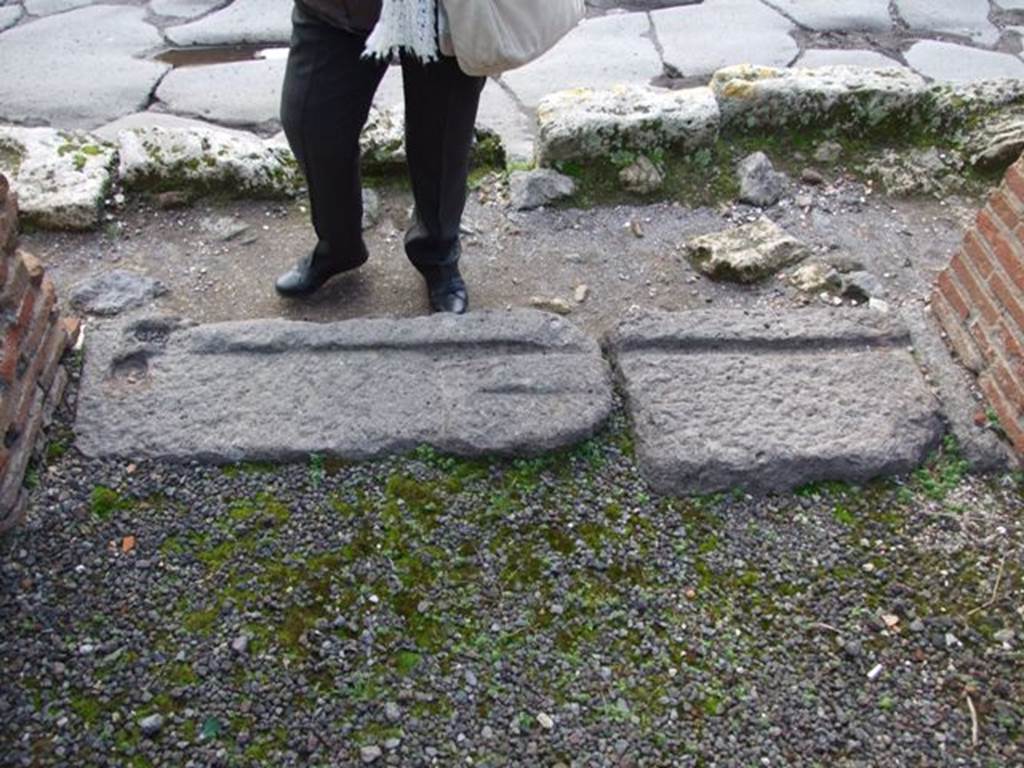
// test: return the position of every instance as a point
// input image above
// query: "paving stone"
(600, 53)
(841, 57)
(584, 124)
(61, 177)
(237, 93)
(516, 383)
(9, 16)
(968, 18)
(78, 69)
(766, 402)
(244, 21)
(183, 9)
(960, 63)
(500, 114)
(47, 7)
(846, 16)
(699, 39)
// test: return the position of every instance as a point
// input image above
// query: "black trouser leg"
(440, 111)
(328, 90)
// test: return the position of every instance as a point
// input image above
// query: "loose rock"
(642, 177)
(151, 725)
(828, 152)
(557, 305)
(815, 277)
(760, 183)
(747, 253)
(534, 189)
(812, 177)
(370, 753)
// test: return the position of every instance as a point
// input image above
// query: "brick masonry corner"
(33, 339)
(979, 301)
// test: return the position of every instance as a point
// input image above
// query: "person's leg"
(440, 111)
(328, 90)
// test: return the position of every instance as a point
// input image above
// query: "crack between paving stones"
(183, 21)
(529, 114)
(786, 16)
(799, 27)
(652, 35)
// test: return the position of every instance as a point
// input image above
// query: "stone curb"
(986, 118)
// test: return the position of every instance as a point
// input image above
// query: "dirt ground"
(626, 256)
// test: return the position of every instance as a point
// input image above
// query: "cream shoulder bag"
(493, 36)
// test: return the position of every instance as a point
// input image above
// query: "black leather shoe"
(312, 271)
(447, 289)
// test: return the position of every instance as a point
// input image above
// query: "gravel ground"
(427, 611)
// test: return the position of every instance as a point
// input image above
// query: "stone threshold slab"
(769, 402)
(501, 383)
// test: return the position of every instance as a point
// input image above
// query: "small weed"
(317, 470)
(943, 472)
(103, 502)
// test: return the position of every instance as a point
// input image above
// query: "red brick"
(963, 345)
(42, 318)
(8, 226)
(1015, 182)
(72, 327)
(975, 291)
(14, 285)
(1012, 343)
(28, 303)
(1008, 416)
(976, 251)
(33, 265)
(1007, 299)
(51, 359)
(982, 341)
(951, 293)
(1006, 209)
(1012, 262)
(1008, 383)
(13, 335)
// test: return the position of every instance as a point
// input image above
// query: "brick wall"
(979, 300)
(33, 338)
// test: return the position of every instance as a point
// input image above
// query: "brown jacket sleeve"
(352, 15)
